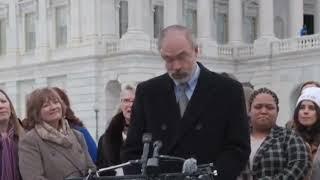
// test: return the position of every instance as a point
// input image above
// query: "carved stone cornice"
(57, 3)
(250, 8)
(27, 6)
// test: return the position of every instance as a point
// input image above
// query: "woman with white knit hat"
(307, 124)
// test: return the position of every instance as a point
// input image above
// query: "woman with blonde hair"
(11, 131)
(51, 149)
(111, 142)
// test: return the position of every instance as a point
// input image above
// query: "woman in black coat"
(112, 140)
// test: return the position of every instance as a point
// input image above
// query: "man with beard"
(193, 111)
(276, 152)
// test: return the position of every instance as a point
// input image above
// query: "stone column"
(91, 33)
(295, 17)
(205, 19)
(266, 19)
(12, 35)
(42, 33)
(75, 28)
(206, 27)
(317, 16)
(235, 22)
(136, 37)
(266, 26)
(173, 12)
(108, 20)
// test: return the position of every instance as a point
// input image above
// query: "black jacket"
(110, 143)
(214, 127)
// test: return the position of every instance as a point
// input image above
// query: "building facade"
(92, 48)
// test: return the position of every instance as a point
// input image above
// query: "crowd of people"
(193, 111)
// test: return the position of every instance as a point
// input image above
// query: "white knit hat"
(311, 94)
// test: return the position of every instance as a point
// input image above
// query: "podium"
(169, 176)
(127, 177)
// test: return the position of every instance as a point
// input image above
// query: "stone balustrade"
(296, 44)
(113, 47)
(225, 51)
(246, 50)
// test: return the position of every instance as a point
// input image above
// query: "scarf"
(9, 157)
(62, 136)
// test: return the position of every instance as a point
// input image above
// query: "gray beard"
(183, 80)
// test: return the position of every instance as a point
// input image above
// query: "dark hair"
(310, 134)
(264, 91)
(34, 104)
(72, 119)
(317, 84)
(180, 28)
(13, 119)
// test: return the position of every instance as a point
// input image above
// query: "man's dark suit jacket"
(214, 127)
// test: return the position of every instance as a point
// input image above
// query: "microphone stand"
(153, 168)
(131, 162)
(146, 139)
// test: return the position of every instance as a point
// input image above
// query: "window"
(61, 26)
(191, 21)
(30, 33)
(191, 15)
(123, 18)
(250, 29)
(157, 20)
(279, 27)
(3, 40)
(222, 29)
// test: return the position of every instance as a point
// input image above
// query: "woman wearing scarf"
(11, 131)
(51, 150)
(76, 123)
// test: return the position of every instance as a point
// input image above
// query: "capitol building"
(92, 48)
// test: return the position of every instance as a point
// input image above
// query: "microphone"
(153, 163)
(190, 166)
(156, 148)
(146, 139)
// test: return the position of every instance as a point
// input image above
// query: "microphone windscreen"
(190, 166)
(146, 138)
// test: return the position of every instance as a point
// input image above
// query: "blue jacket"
(92, 146)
